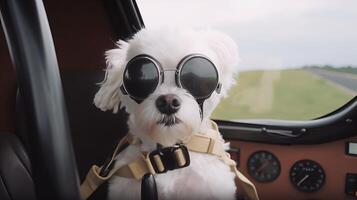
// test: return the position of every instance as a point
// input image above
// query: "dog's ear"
(108, 96)
(227, 57)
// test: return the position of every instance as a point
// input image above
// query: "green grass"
(284, 94)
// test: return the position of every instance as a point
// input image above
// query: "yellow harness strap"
(209, 143)
(93, 180)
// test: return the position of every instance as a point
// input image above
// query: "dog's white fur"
(207, 177)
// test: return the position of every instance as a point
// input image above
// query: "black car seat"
(80, 51)
(15, 170)
(16, 181)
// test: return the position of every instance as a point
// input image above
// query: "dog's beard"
(169, 120)
(154, 127)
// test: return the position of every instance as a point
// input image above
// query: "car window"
(298, 58)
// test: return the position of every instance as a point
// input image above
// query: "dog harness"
(170, 158)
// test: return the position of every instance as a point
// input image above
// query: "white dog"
(163, 109)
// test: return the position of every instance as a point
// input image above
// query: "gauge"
(263, 166)
(307, 175)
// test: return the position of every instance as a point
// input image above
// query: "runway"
(344, 80)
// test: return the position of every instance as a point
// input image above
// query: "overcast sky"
(270, 33)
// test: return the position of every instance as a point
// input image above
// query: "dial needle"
(264, 165)
(303, 179)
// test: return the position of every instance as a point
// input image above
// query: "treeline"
(345, 69)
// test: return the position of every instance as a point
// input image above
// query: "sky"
(271, 34)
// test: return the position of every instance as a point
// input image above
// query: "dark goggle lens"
(199, 76)
(141, 77)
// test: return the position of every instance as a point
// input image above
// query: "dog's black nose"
(168, 104)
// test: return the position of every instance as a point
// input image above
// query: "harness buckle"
(169, 158)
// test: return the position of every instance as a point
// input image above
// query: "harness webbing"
(209, 143)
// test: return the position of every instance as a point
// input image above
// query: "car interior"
(51, 132)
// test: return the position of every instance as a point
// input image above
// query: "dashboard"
(299, 171)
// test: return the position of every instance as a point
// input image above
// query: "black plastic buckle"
(168, 158)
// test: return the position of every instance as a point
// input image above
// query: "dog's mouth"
(169, 120)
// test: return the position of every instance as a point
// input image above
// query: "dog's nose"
(168, 104)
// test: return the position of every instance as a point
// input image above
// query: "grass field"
(280, 94)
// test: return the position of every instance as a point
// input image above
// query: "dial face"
(263, 166)
(307, 175)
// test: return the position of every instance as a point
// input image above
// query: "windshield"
(298, 58)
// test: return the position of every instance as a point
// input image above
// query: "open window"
(295, 101)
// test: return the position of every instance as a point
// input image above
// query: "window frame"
(337, 125)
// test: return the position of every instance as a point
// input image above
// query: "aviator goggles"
(195, 73)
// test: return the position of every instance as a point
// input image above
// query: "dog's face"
(170, 113)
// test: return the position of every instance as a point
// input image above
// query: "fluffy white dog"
(170, 113)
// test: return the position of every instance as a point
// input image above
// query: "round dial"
(307, 175)
(263, 166)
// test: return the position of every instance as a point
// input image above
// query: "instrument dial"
(263, 166)
(307, 175)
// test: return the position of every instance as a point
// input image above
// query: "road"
(344, 80)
